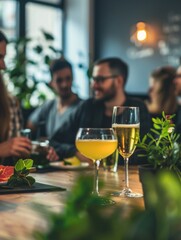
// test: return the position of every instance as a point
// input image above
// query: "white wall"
(78, 41)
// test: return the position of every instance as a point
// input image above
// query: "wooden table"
(19, 219)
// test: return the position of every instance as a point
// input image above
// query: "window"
(8, 17)
(51, 22)
(26, 18)
(8, 22)
(51, 1)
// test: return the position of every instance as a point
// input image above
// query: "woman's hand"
(15, 147)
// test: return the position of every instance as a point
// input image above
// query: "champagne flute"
(96, 144)
(126, 124)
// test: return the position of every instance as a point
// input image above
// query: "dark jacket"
(91, 114)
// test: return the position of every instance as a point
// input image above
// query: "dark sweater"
(91, 114)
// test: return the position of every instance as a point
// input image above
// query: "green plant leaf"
(161, 146)
(38, 49)
(57, 51)
(28, 163)
(154, 131)
(19, 165)
(156, 126)
(47, 59)
(20, 77)
(83, 219)
(21, 171)
(47, 35)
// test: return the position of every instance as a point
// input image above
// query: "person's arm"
(52, 155)
(63, 140)
(15, 147)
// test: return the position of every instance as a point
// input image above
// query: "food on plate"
(6, 172)
(74, 161)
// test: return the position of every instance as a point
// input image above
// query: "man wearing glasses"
(109, 78)
(46, 119)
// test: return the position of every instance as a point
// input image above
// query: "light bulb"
(141, 35)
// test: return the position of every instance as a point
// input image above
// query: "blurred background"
(145, 34)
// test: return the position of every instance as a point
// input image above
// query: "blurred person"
(12, 145)
(177, 82)
(162, 94)
(46, 119)
(109, 78)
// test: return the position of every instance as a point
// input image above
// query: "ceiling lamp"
(139, 33)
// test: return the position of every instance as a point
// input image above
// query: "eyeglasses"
(101, 79)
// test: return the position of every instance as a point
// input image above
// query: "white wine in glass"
(126, 124)
(96, 144)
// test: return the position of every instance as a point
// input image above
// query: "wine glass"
(96, 144)
(126, 124)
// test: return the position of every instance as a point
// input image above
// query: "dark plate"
(37, 187)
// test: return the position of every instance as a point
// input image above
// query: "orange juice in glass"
(96, 149)
(96, 144)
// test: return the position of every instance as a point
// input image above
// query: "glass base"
(127, 192)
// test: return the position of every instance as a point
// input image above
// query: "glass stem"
(96, 178)
(126, 160)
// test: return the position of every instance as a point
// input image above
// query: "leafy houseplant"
(28, 67)
(160, 146)
(81, 219)
(163, 152)
(21, 174)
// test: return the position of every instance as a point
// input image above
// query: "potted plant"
(82, 217)
(27, 74)
(161, 148)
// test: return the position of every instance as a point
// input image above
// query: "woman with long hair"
(162, 95)
(12, 144)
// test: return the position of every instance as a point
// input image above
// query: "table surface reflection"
(19, 218)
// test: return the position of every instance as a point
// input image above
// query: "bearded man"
(109, 78)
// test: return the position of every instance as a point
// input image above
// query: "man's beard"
(66, 96)
(109, 95)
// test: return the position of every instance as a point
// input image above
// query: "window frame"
(21, 14)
